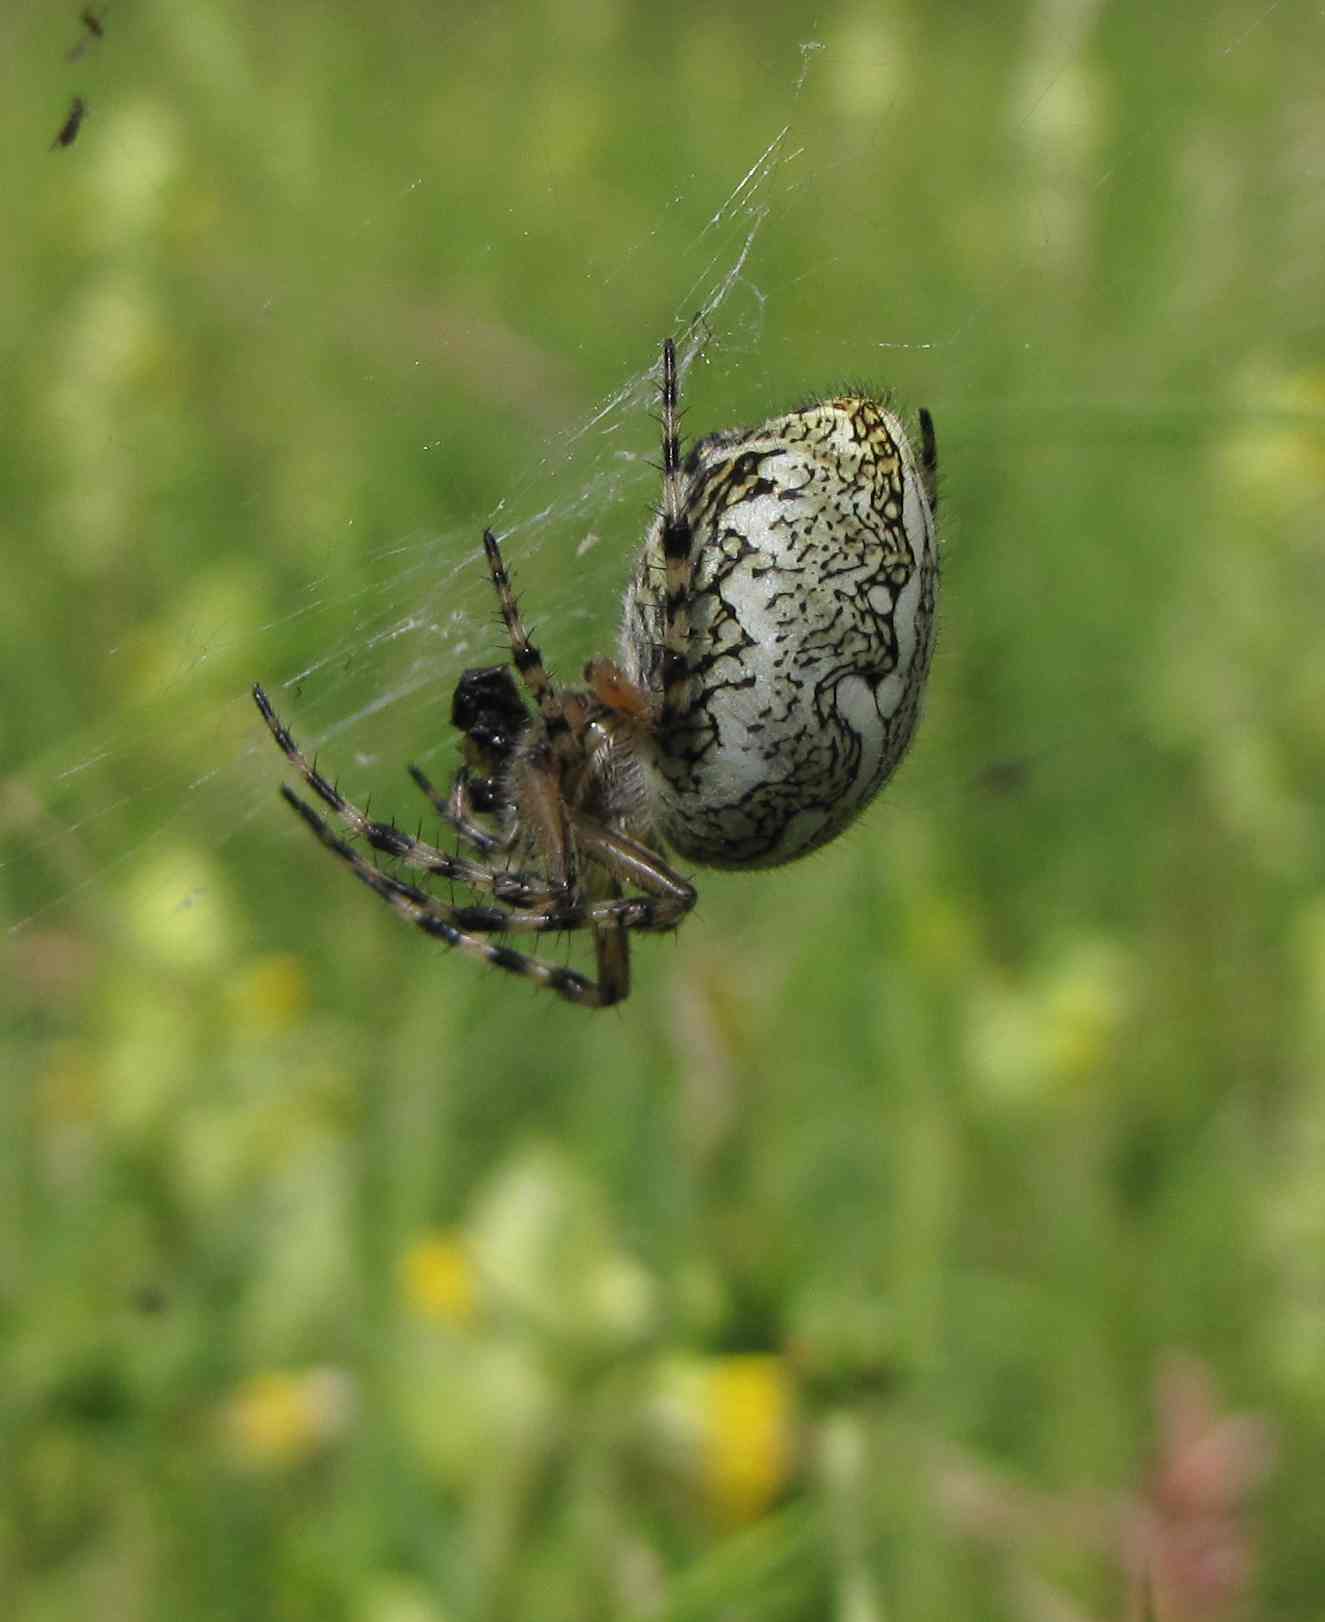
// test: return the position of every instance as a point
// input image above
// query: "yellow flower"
(279, 1419)
(436, 1277)
(749, 1434)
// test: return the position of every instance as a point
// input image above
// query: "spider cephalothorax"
(776, 637)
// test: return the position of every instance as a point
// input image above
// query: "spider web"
(363, 669)
(387, 650)
(432, 611)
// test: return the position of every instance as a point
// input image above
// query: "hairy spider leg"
(611, 948)
(561, 913)
(526, 888)
(929, 461)
(541, 801)
(463, 927)
(527, 659)
(676, 550)
(458, 810)
(670, 896)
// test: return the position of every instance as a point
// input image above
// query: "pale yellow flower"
(270, 993)
(282, 1418)
(437, 1277)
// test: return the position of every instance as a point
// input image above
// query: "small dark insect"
(95, 30)
(150, 1299)
(1006, 777)
(71, 126)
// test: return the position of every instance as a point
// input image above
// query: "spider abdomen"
(811, 624)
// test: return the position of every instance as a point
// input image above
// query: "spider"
(776, 637)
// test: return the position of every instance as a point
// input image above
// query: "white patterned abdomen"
(811, 614)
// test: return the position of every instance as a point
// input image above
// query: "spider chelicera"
(775, 641)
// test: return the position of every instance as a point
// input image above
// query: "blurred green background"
(342, 1279)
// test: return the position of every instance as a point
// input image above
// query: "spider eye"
(494, 739)
(485, 794)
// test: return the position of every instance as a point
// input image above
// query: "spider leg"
(611, 944)
(526, 658)
(463, 927)
(667, 896)
(383, 836)
(929, 461)
(676, 550)
(548, 912)
(457, 810)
